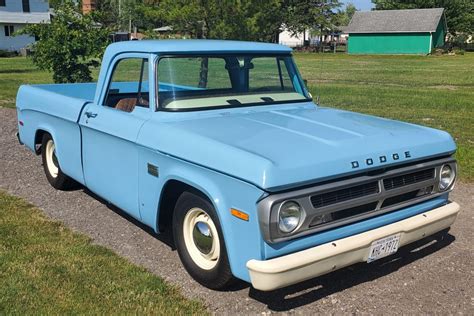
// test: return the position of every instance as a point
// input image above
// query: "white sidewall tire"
(52, 168)
(204, 261)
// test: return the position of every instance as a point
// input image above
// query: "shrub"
(70, 45)
(7, 53)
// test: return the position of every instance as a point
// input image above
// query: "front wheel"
(51, 166)
(199, 241)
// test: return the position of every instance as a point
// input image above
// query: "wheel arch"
(65, 134)
(39, 134)
(223, 192)
(171, 191)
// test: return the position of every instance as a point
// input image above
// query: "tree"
(70, 45)
(459, 13)
(55, 3)
(146, 15)
(107, 14)
(350, 10)
(318, 16)
(343, 17)
(118, 15)
(233, 19)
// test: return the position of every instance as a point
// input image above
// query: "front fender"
(243, 238)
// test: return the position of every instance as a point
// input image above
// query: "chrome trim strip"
(268, 207)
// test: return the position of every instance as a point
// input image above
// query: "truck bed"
(85, 91)
(62, 100)
(55, 109)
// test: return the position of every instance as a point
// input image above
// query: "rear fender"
(66, 136)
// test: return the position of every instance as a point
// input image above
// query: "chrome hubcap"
(202, 237)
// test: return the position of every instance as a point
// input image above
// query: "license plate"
(383, 247)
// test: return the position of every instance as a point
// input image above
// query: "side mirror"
(305, 81)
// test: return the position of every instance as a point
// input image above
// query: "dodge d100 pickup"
(220, 144)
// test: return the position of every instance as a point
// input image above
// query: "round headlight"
(446, 177)
(289, 216)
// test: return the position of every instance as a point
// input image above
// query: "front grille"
(366, 200)
(397, 199)
(343, 214)
(353, 211)
(407, 179)
(352, 199)
(346, 194)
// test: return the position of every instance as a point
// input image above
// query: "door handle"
(90, 114)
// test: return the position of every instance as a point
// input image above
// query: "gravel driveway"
(438, 278)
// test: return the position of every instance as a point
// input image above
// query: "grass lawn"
(45, 268)
(13, 73)
(436, 91)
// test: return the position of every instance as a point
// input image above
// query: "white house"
(297, 40)
(293, 40)
(14, 15)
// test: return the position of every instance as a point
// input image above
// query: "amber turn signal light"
(239, 214)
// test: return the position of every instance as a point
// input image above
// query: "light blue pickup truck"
(220, 143)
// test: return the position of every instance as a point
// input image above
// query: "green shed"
(415, 31)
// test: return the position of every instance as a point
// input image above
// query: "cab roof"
(194, 46)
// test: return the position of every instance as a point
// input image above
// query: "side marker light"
(239, 214)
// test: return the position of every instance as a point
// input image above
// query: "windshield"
(203, 82)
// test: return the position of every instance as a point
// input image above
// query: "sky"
(362, 5)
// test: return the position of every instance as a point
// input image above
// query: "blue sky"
(362, 5)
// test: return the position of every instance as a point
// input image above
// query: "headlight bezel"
(283, 207)
(452, 178)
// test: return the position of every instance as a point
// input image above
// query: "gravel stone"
(438, 279)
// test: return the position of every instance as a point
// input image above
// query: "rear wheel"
(51, 166)
(200, 243)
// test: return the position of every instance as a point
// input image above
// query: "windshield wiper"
(234, 102)
(267, 99)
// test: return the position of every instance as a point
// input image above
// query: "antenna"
(318, 98)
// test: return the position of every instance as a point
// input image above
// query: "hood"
(276, 147)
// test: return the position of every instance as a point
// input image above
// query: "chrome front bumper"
(279, 272)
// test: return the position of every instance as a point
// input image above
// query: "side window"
(128, 86)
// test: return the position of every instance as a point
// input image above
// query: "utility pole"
(120, 15)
